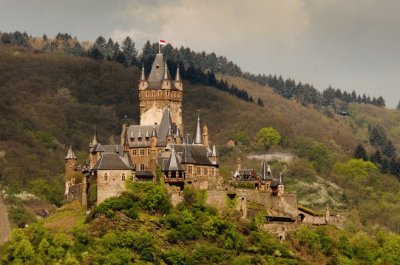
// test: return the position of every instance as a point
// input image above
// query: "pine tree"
(129, 51)
(260, 102)
(376, 157)
(388, 149)
(360, 153)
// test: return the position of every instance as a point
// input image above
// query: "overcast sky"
(349, 44)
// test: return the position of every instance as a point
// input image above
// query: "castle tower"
(159, 91)
(70, 164)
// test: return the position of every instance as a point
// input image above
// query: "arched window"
(123, 176)
(105, 176)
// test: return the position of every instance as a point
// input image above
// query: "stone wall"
(113, 186)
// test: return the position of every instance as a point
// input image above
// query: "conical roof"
(157, 72)
(143, 78)
(70, 154)
(95, 139)
(178, 75)
(214, 151)
(173, 163)
(197, 134)
(126, 141)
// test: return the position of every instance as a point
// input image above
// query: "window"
(190, 170)
(205, 171)
(212, 172)
(123, 176)
(105, 177)
(141, 152)
(148, 151)
(141, 167)
(134, 152)
(198, 171)
(134, 167)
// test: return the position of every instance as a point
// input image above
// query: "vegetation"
(268, 137)
(191, 233)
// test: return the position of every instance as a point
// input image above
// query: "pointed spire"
(143, 78)
(214, 151)
(173, 163)
(197, 135)
(154, 132)
(165, 71)
(95, 139)
(126, 141)
(178, 75)
(147, 134)
(177, 133)
(70, 154)
(280, 179)
(169, 131)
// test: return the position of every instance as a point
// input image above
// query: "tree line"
(199, 65)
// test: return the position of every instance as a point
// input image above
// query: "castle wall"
(113, 186)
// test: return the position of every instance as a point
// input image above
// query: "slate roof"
(173, 163)
(197, 134)
(112, 148)
(111, 161)
(144, 173)
(195, 154)
(70, 154)
(98, 148)
(157, 72)
(265, 171)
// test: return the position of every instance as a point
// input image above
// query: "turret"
(281, 187)
(95, 139)
(197, 133)
(70, 159)
(143, 84)
(178, 81)
(178, 136)
(214, 155)
(205, 136)
(166, 82)
(170, 137)
(153, 137)
(126, 142)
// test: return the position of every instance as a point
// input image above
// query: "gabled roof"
(112, 148)
(111, 161)
(70, 154)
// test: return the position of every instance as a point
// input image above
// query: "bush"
(20, 216)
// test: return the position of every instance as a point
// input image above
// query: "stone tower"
(159, 91)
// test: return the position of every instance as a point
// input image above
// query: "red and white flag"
(162, 42)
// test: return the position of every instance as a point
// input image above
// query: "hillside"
(52, 100)
(140, 227)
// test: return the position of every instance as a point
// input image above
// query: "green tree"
(268, 136)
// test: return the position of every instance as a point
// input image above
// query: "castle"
(158, 148)
(157, 143)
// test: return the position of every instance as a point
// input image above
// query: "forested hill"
(51, 100)
(195, 65)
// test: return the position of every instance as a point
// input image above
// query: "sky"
(346, 44)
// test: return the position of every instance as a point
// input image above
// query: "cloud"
(227, 27)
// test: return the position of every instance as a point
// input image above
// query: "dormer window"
(157, 66)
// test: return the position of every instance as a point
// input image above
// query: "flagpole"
(159, 45)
